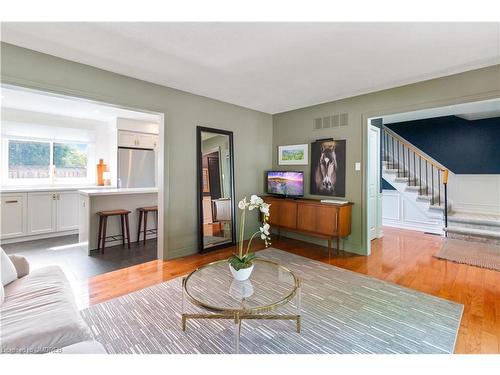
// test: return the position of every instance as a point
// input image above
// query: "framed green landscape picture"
(293, 155)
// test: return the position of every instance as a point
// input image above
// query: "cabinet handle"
(10, 202)
(53, 197)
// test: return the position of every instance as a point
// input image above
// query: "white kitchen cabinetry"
(41, 212)
(67, 211)
(137, 140)
(31, 215)
(13, 207)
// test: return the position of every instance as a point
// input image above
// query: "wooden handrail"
(419, 153)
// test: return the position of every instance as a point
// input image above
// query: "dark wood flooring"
(73, 259)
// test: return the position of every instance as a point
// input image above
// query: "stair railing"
(419, 169)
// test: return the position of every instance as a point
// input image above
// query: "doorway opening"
(64, 159)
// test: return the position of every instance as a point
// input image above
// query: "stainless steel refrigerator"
(136, 168)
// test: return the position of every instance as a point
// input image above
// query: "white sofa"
(39, 314)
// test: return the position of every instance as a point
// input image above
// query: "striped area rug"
(342, 312)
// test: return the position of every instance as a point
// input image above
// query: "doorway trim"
(378, 200)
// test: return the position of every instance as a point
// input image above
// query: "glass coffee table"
(213, 289)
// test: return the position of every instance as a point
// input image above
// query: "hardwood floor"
(402, 257)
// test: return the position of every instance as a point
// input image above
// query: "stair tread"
(473, 231)
(472, 218)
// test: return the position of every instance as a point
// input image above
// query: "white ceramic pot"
(242, 274)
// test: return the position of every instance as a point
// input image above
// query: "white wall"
(475, 193)
(400, 212)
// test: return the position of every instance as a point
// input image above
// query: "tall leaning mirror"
(216, 210)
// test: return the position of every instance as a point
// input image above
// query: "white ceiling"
(271, 67)
(468, 111)
(34, 101)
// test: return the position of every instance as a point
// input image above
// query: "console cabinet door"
(306, 217)
(326, 220)
(288, 214)
(274, 212)
(67, 210)
(41, 212)
(13, 208)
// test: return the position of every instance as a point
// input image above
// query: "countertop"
(116, 191)
(27, 189)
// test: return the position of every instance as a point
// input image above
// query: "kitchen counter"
(117, 191)
(91, 201)
(27, 189)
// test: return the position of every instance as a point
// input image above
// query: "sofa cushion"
(39, 314)
(7, 270)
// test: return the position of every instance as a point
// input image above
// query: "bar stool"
(143, 213)
(103, 224)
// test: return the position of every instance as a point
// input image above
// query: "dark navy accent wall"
(386, 185)
(462, 146)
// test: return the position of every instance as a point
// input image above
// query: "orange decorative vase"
(101, 168)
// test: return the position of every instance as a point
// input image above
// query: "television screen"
(285, 183)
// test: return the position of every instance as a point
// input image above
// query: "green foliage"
(240, 263)
(292, 154)
(26, 153)
(70, 155)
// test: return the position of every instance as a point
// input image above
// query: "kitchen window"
(32, 161)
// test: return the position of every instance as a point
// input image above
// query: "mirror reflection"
(216, 186)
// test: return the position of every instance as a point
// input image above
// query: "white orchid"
(264, 208)
(258, 203)
(264, 231)
(243, 204)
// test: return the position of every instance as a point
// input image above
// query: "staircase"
(474, 227)
(417, 178)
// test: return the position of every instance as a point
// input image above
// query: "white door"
(67, 210)
(373, 180)
(13, 208)
(41, 212)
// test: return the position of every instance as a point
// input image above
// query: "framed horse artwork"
(328, 167)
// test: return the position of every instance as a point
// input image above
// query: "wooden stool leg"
(99, 235)
(139, 226)
(122, 222)
(105, 226)
(145, 227)
(128, 232)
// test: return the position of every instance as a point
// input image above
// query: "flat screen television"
(285, 183)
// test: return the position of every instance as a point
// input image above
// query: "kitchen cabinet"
(137, 140)
(38, 214)
(13, 208)
(41, 212)
(67, 203)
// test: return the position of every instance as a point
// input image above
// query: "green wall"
(296, 126)
(183, 112)
(256, 134)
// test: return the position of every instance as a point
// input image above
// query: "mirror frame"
(199, 187)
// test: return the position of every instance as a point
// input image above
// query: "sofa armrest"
(22, 265)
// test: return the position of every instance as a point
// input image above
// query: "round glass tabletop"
(212, 287)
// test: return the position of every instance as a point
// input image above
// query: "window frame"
(52, 180)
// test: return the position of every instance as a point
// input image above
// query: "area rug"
(342, 312)
(473, 253)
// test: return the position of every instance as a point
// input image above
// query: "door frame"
(378, 201)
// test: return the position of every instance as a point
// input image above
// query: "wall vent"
(344, 119)
(336, 120)
(317, 124)
(327, 122)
